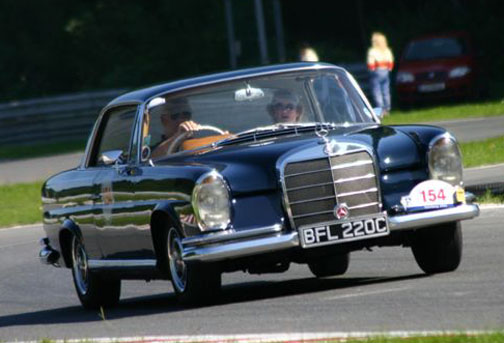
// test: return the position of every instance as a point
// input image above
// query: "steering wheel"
(175, 145)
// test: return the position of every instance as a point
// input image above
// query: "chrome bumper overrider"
(224, 245)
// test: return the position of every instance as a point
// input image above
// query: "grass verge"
(441, 113)
(490, 198)
(486, 152)
(13, 152)
(490, 337)
(20, 204)
(448, 338)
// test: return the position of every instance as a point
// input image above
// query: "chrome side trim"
(230, 235)
(241, 249)
(431, 218)
(97, 264)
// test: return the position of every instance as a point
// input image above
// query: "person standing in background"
(307, 53)
(380, 62)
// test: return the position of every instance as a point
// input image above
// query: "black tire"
(94, 290)
(438, 249)
(330, 265)
(193, 283)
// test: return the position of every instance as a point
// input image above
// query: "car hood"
(252, 167)
(434, 64)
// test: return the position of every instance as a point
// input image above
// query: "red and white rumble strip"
(263, 338)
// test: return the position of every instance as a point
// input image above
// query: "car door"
(114, 201)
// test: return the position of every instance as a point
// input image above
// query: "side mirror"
(378, 111)
(110, 157)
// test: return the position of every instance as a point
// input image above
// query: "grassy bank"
(20, 204)
(479, 153)
(455, 338)
(441, 113)
(491, 337)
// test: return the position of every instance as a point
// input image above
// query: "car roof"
(449, 34)
(144, 94)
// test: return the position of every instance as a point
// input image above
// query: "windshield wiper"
(274, 127)
(275, 130)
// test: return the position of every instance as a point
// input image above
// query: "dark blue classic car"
(249, 170)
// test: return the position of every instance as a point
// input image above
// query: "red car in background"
(437, 66)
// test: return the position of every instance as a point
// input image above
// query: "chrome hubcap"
(80, 267)
(178, 268)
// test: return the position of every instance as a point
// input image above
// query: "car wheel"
(94, 291)
(330, 265)
(192, 283)
(439, 249)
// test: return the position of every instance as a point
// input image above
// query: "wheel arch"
(162, 218)
(67, 231)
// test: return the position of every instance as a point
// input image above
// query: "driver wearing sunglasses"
(176, 117)
(285, 107)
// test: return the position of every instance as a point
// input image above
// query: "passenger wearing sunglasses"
(285, 107)
(176, 117)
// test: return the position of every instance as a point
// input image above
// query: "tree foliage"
(60, 46)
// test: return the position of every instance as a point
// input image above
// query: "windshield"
(435, 48)
(271, 102)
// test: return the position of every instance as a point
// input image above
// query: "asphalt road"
(383, 290)
(41, 168)
(474, 129)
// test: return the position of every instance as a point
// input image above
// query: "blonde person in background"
(380, 62)
(307, 54)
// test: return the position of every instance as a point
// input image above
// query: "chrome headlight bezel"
(445, 160)
(210, 189)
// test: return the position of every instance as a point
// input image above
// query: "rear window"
(435, 48)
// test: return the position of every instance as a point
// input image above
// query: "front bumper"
(227, 245)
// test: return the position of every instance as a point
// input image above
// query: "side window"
(114, 134)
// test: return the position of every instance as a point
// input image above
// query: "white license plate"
(344, 231)
(431, 87)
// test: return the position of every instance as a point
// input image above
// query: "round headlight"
(211, 202)
(445, 161)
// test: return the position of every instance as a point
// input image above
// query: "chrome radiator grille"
(314, 187)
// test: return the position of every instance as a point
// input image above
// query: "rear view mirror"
(248, 94)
